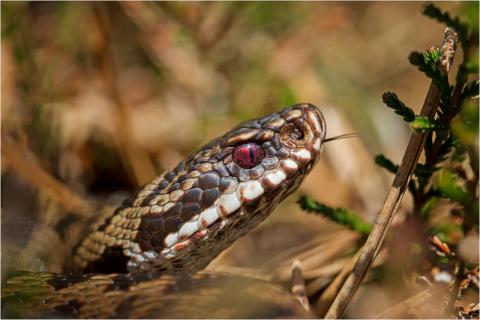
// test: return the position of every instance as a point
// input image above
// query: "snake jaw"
(186, 217)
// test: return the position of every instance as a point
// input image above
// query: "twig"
(396, 191)
(299, 290)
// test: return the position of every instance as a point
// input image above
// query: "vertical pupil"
(251, 154)
(248, 155)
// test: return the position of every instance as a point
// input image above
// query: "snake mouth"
(315, 119)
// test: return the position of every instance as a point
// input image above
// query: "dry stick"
(298, 285)
(396, 191)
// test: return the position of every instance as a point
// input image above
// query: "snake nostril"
(293, 135)
(296, 134)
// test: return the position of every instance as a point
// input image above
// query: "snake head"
(186, 217)
(289, 141)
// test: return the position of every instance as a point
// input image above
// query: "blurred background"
(99, 98)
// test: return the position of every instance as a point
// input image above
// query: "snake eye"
(248, 155)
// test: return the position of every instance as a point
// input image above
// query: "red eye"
(248, 155)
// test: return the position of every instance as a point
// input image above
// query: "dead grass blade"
(299, 290)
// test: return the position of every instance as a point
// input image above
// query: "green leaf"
(432, 55)
(448, 185)
(386, 163)
(392, 101)
(422, 124)
(425, 63)
(430, 10)
(416, 58)
(428, 206)
(341, 216)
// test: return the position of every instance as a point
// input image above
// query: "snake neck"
(183, 219)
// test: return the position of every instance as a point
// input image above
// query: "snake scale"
(179, 222)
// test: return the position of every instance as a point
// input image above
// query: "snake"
(175, 225)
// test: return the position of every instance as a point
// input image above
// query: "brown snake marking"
(181, 221)
(141, 295)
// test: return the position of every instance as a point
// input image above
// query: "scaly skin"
(182, 220)
(177, 224)
(145, 295)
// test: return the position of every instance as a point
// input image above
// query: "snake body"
(145, 295)
(187, 216)
(183, 219)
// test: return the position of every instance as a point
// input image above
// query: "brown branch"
(396, 191)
